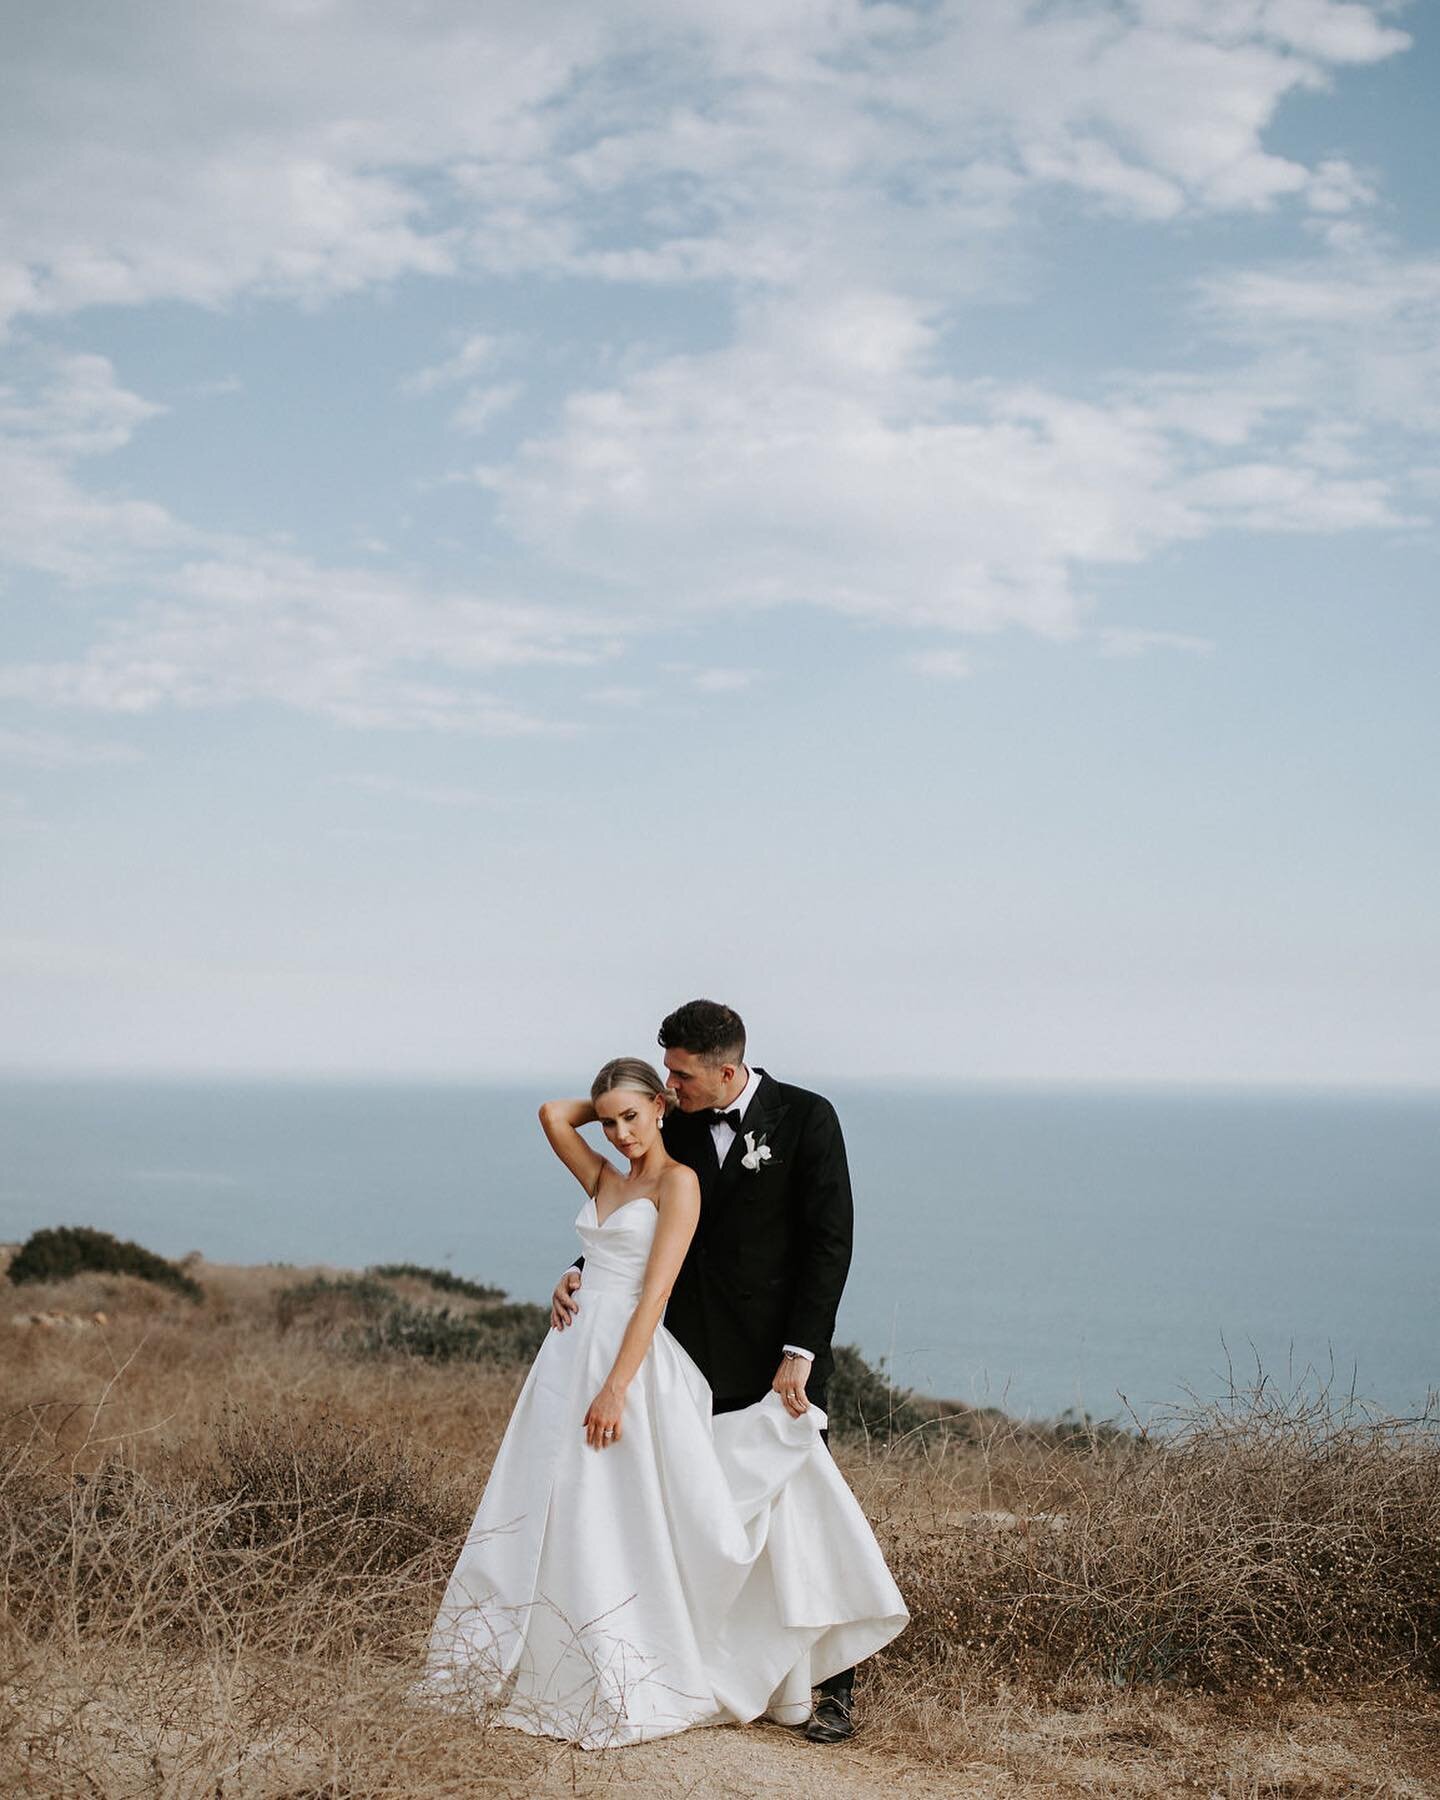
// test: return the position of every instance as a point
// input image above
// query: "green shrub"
(332, 1295)
(501, 1334)
(374, 1321)
(65, 1250)
(862, 1401)
(440, 1279)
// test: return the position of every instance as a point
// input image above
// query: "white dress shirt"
(721, 1130)
(723, 1134)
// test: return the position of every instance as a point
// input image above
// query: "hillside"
(224, 1527)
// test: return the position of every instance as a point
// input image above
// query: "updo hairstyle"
(635, 1076)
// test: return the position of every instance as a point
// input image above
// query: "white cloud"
(611, 695)
(1287, 497)
(72, 407)
(1337, 187)
(49, 522)
(56, 750)
(478, 355)
(1347, 292)
(1152, 113)
(81, 410)
(252, 146)
(822, 457)
(238, 621)
(724, 681)
(1336, 31)
(257, 147)
(350, 645)
(220, 388)
(1125, 641)
(823, 460)
(1359, 329)
(420, 793)
(941, 664)
(482, 404)
(775, 471)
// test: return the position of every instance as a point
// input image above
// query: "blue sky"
(918, 520)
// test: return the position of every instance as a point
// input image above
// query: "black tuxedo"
(770, 1255)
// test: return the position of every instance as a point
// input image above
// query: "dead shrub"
(1273, 1541)
(299, 1525)
(323, 1502)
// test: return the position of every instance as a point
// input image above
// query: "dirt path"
(755, 1762)
(1130, 1746)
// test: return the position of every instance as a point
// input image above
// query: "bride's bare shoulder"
(678, 1183)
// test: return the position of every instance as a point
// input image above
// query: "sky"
(917, 520)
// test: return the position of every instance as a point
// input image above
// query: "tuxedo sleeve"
(828, 1211)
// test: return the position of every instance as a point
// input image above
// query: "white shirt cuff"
(795, 1350)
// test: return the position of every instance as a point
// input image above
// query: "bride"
(636, 1566)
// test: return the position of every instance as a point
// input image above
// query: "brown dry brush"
(1275, 1540)
(249, 1623)
(1271, 1542)
(297, 1527)
(243, 1596)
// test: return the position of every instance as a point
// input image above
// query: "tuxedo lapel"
(762, 1117)
(766, 1110)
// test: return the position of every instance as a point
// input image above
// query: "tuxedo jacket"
(769, 1258)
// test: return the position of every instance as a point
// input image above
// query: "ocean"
(1099, 1252)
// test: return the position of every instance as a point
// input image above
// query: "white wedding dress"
(700, 1570)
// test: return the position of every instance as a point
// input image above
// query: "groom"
(755, 1300)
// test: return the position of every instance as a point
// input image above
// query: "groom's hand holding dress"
(790, 1380)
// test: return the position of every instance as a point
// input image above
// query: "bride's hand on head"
(602, 1422)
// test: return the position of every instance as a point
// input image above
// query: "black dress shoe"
(833, 1719)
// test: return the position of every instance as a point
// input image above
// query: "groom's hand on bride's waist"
(563, 1305)
(790, 1379)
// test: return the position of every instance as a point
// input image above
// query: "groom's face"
(697, 1082)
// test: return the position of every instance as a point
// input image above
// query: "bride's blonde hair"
(633, 1074)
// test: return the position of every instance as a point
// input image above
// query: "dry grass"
(1277, 1541)
(221, 1545)
(1271, 1565)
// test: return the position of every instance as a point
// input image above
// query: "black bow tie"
(731, 1118)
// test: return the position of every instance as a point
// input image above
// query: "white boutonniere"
(755, 1153)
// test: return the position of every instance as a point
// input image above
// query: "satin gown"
(697, 1572)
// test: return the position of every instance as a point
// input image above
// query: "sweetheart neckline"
(600, 1223)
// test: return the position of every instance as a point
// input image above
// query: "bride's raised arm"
(561, 1121)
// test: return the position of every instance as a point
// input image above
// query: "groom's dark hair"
(705, 1028)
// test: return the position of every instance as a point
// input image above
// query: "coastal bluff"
(226, 1521)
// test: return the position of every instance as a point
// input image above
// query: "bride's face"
(631, 1121)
